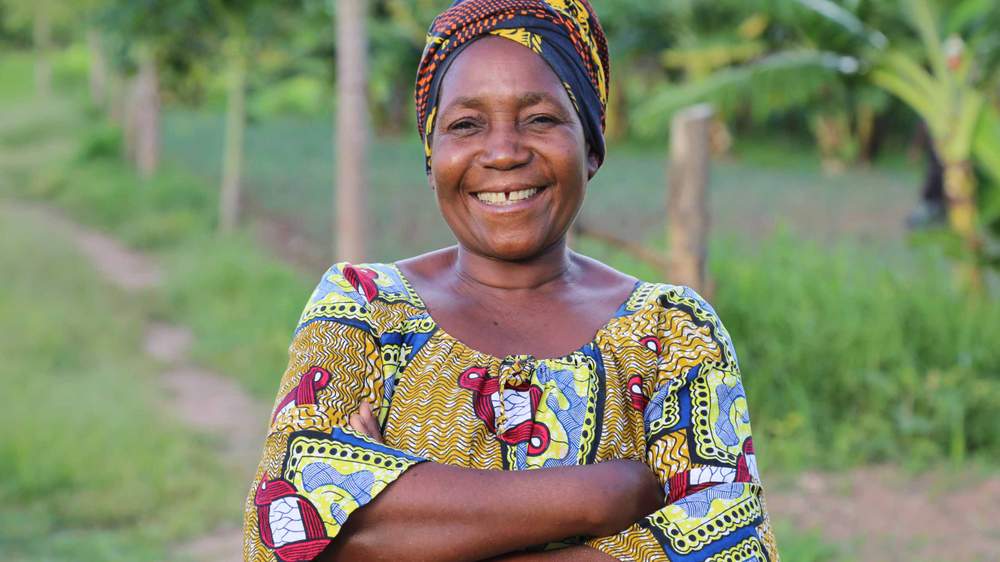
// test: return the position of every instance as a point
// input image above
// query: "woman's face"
(509, 161)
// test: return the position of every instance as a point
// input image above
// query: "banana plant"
(939, 83)
(950, 82)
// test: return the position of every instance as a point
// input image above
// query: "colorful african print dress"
(659, 382)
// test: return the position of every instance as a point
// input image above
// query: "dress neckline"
(520, 357)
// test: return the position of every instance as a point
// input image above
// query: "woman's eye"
(542, 120)
(463, 125)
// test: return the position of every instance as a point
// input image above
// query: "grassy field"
(93, 469)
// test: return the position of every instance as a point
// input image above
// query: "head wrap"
(565, 33)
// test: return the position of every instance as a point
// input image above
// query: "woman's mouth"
(507, 198)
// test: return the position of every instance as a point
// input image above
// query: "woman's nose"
(504, 149)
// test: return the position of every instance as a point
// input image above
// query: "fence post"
(687, 200)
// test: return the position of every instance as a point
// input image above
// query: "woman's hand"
(364, 422)
(623, 492)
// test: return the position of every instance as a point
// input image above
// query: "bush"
(849, 359)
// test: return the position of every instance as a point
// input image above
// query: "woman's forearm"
(571, 554)
(440, 512)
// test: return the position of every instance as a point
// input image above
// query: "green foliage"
(91, 469)
(297, 95)
(779, 81)
(849, 361)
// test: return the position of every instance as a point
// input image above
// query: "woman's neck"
(555, 264)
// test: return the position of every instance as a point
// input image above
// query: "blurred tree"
(243, 23)
(44, 18)
(42, 39)
(637, 31)
(150, 35)
(775, 57)
(397, 33)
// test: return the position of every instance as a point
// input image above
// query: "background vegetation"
(861, 341)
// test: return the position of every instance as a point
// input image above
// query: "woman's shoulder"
(686, 318)
(359, 294)
(676, 310)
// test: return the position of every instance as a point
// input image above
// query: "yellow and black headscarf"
(565, 33)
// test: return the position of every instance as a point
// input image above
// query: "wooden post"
(42, 39)
(687, 201)
(232, 165)
(350, 226)
(147, 116)
(97, 70)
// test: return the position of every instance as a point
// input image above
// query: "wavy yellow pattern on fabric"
(366, 335)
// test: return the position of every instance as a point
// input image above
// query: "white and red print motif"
(517, 403)
(311, 382)
(288, 523)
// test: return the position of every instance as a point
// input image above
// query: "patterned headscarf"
(565, 33)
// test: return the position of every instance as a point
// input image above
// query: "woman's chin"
(516, 248)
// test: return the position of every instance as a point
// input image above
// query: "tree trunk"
(146, 120)
(350, 228)
(98, 70)
(960, 189)
(687, 203)
(42, 39)
(618, 125)
(129, 99)
(232, 165)
(118, 99)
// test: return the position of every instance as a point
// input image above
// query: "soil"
(885, 514)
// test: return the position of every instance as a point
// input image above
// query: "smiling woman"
(507, 397)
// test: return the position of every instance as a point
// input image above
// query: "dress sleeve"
(698, 442)
(315, 471)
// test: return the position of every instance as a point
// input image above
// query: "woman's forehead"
(493, 70)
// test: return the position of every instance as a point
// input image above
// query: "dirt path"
(883, 514)
(234, 418)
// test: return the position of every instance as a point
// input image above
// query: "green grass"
(18, 69)
(93, 470)
(241, 303)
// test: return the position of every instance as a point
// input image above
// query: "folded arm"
(439, 512)
(324, 489)
(442, 512)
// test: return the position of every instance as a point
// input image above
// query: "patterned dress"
(659, 382)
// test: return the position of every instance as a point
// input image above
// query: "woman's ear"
(593, 163)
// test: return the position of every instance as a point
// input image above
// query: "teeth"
(510, 198)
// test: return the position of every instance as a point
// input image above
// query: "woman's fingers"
(364, 422)
(357, 424)
(371, 424)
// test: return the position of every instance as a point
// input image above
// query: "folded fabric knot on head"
(565, 33)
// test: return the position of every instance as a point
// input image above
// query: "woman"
(418, 392)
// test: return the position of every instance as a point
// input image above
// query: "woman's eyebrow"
(526, 99)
